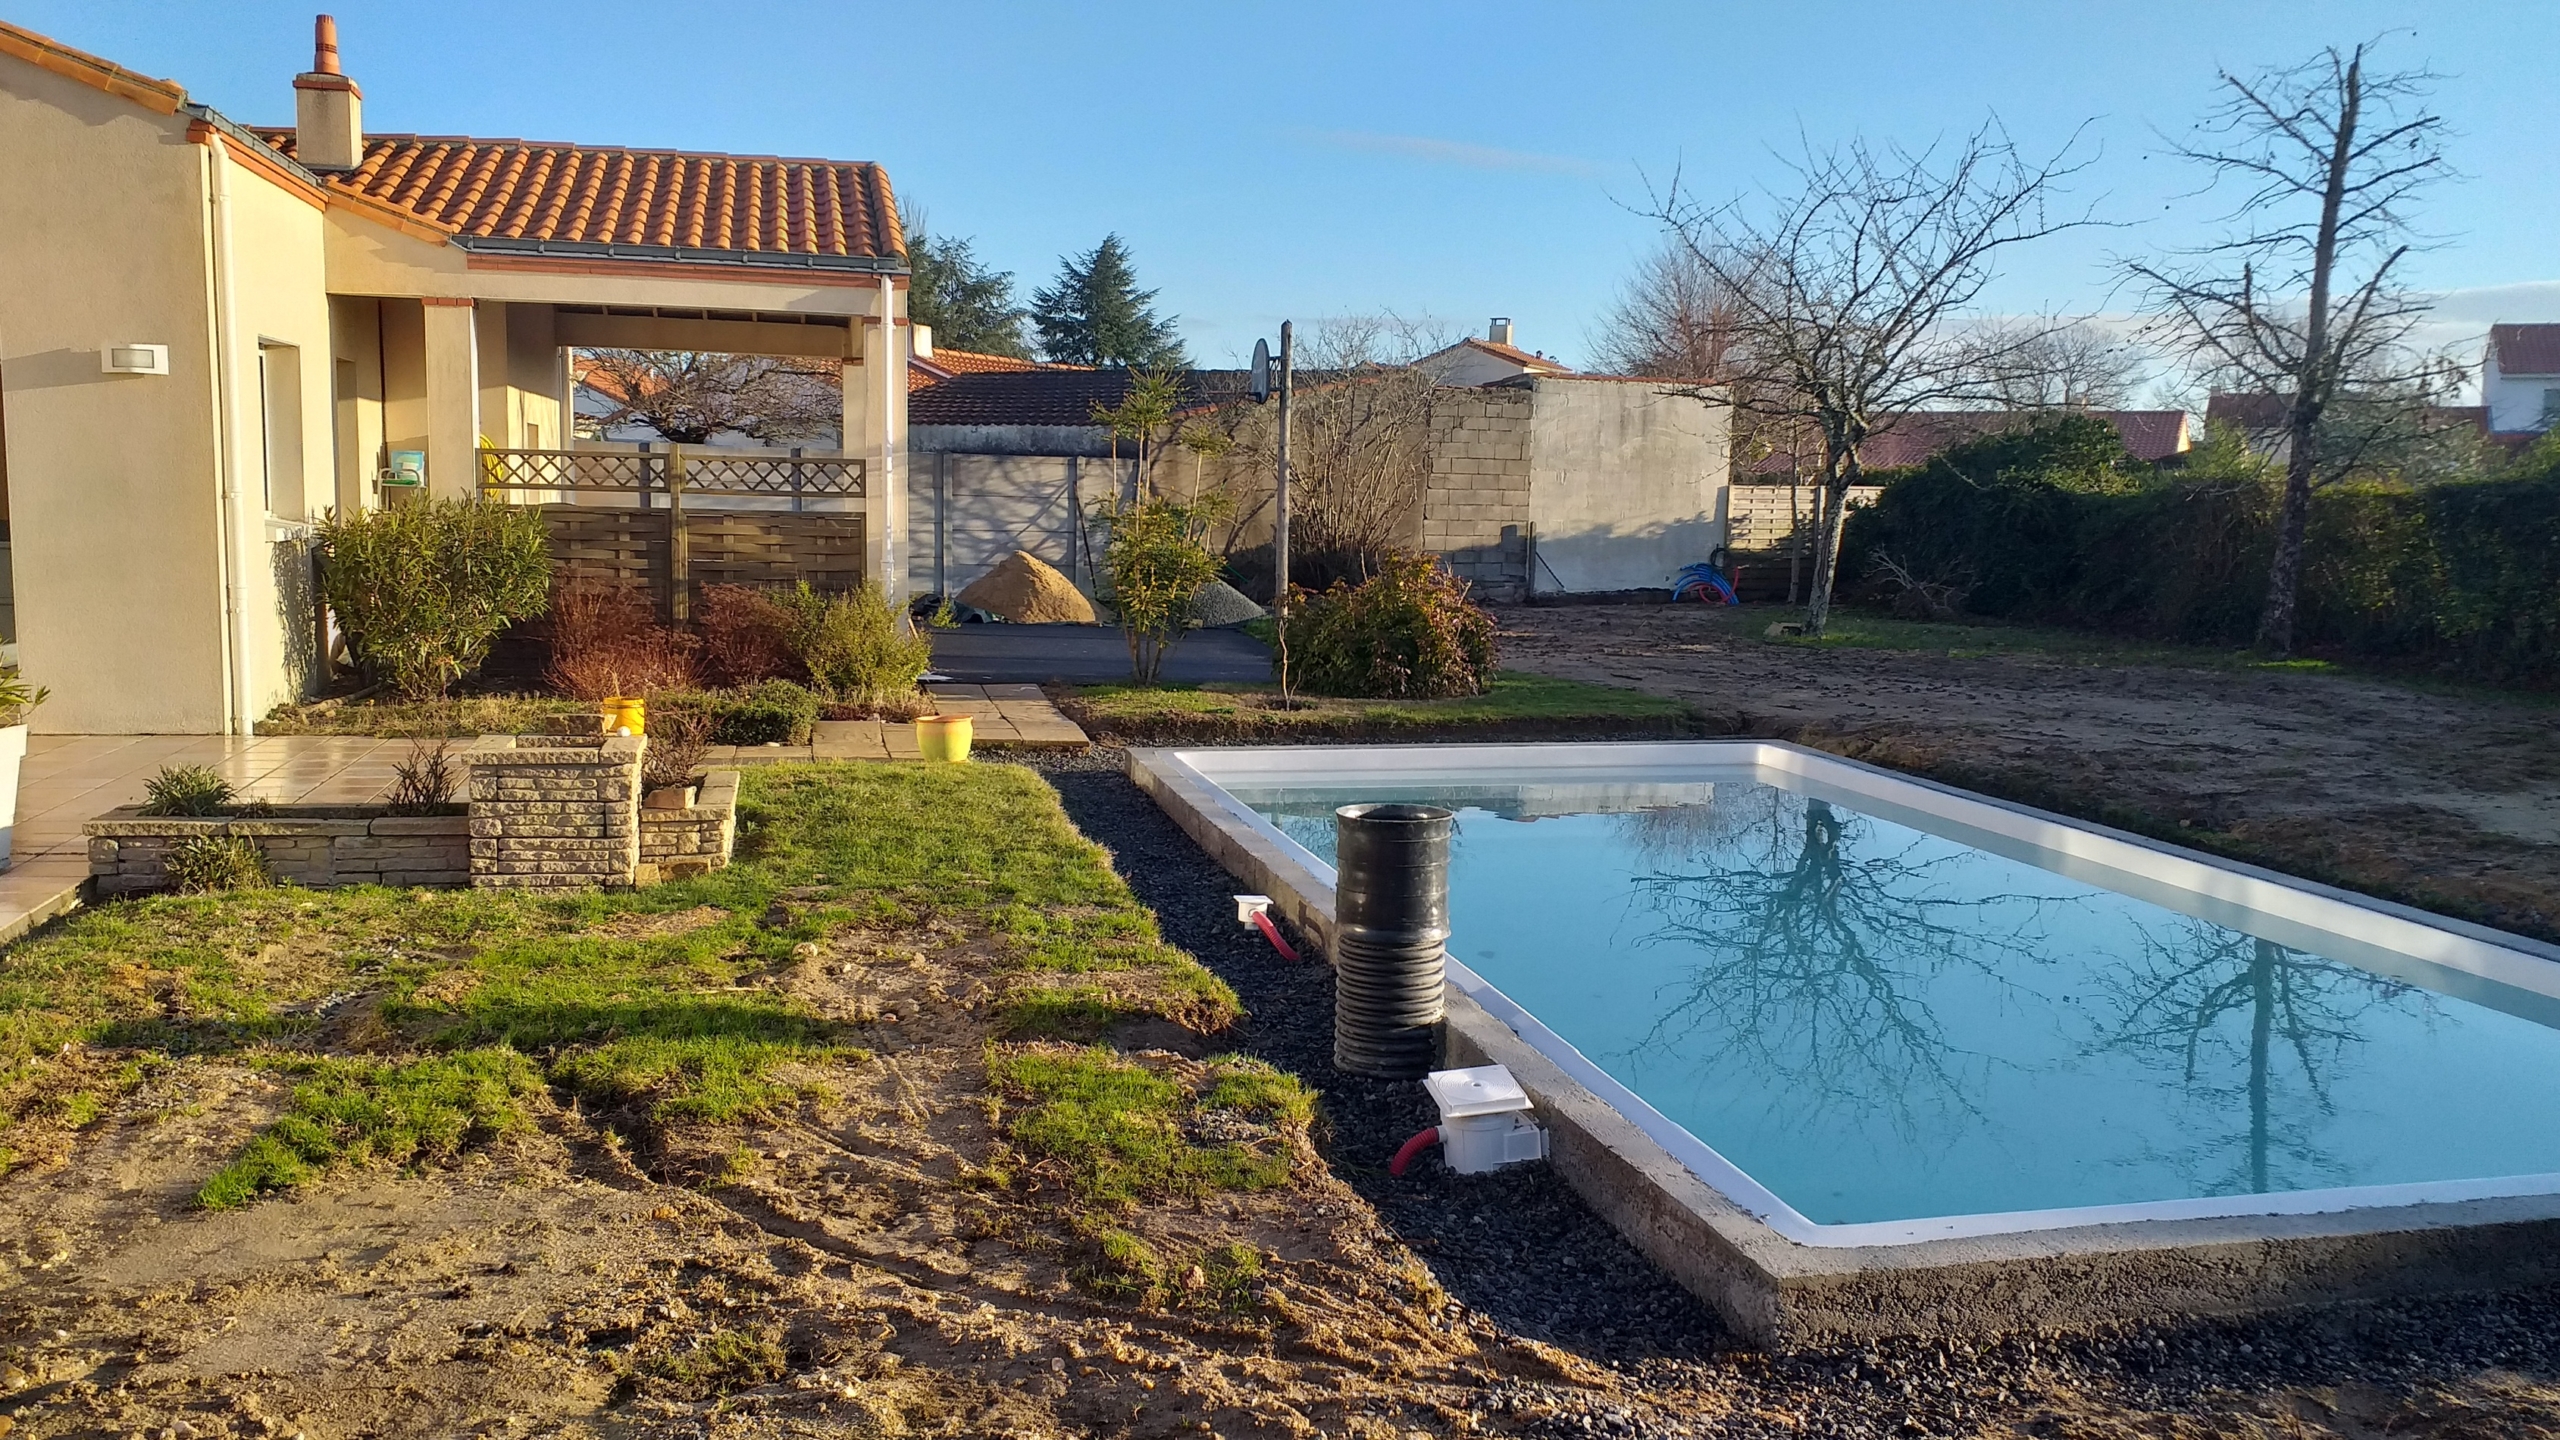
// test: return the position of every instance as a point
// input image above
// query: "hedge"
(2460, 577)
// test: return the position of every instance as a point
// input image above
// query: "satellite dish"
(1261, 381)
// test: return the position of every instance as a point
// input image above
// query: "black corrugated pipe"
(1391, 919)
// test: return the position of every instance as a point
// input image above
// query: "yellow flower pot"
(942, 738)
(626, 712)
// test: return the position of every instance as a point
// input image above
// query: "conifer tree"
(969, 304)
(1095, 314)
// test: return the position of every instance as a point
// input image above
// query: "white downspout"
(226, 325)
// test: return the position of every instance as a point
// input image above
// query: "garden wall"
(341, 845)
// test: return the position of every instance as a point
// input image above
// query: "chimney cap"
(1499, 332)
(324, 45)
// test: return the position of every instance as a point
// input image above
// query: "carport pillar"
(453, 397)
(875, 432)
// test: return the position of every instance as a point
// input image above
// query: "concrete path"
(1089, 654)
(1003, 717)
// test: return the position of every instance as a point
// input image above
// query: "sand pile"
(1026, 590)
(1220, 603)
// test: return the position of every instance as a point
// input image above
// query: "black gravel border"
(1524, 1256)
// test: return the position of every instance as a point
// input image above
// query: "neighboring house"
(1910, 439)
(211, 335)
(1487, 361)
(2520, 379)
(1539, 480)
(2262, 419)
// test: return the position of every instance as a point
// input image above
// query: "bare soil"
(2445, 799)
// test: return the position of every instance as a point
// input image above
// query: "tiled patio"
(72, 779)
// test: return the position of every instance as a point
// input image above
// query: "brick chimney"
(328, 109)
(1499, 332)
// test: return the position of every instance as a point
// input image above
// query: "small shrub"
(425, 782)
(206, 864)
(1157, 561)
(856, 646)
(606, 641)
(186, 790)
(676, 742)
(745, 637)
(1408, 633)
(17, 697)
(423, 590)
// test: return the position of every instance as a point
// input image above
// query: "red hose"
(1263, 919)
(1413, 1147)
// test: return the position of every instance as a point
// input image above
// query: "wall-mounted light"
(134, 359)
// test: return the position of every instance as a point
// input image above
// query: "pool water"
(1878, 1023)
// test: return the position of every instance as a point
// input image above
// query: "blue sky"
(1459, 161)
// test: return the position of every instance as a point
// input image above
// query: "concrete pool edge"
(1780, 1291)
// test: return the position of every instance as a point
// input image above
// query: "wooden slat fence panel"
(625, 546)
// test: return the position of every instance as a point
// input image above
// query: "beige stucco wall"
(111, 477)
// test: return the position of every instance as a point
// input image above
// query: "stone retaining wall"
(691, 841)
(128, 851)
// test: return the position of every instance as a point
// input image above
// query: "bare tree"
(1850, 289)
(688, 397)
(1360, 436)
(2302, 299)
(1673, 319)
(2070, 366)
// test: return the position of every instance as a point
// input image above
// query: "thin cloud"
(1452, 152)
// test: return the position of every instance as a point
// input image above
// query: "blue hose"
(1703, 579)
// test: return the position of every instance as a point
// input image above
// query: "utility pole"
(1280, 488)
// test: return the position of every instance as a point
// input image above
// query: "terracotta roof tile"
(533, 191)
(2526, 349)
(1518, 356)
(1047, 395)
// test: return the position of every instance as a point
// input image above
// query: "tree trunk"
(2284, 569)
(1834, 500)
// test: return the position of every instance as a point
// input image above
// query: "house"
(2262, 419)
(214, 334)
(1488, 361)
(1910, 438)
(2520, 379)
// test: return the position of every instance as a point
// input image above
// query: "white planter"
(13, 749)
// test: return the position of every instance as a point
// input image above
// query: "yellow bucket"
(942, 738)
(626, 712)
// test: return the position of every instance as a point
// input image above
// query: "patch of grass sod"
(1516, 704)
(1119, 1129)
(652, 1004)
(460, 717)
(360, 1111)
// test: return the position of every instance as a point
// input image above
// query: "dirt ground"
(2449, 800)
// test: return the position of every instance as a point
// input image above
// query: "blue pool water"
(1878, 1023)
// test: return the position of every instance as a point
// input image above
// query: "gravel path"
(1526, 1258)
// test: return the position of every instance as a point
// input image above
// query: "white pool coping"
(2433, 952)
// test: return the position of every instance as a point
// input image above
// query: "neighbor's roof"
(945, 364)
(1517, 356)
(1914, 437)
(1046, 395)
(2526, 349)
(588, 199)
(2250, 410)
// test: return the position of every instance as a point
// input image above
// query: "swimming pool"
(1923, 1032)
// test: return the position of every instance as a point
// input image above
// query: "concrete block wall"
(694, 840)
(548, 813)
(1475, 501)
(128, 852)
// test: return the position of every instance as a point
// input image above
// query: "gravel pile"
(1522, 1256)
(1220, 603)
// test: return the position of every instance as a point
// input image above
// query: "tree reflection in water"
(1816, 952)
(2225, 1011)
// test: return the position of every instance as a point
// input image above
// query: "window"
(2550, 409)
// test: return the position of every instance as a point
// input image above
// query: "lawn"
(456, 716)
(412, 1024)
(1517, 705)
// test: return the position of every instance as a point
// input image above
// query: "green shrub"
(856, 646)
(186, 790)
(205, 864)
(775, 712)
(1409, 632)
(423, 589)
(1156, 562)
(2461, 576)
